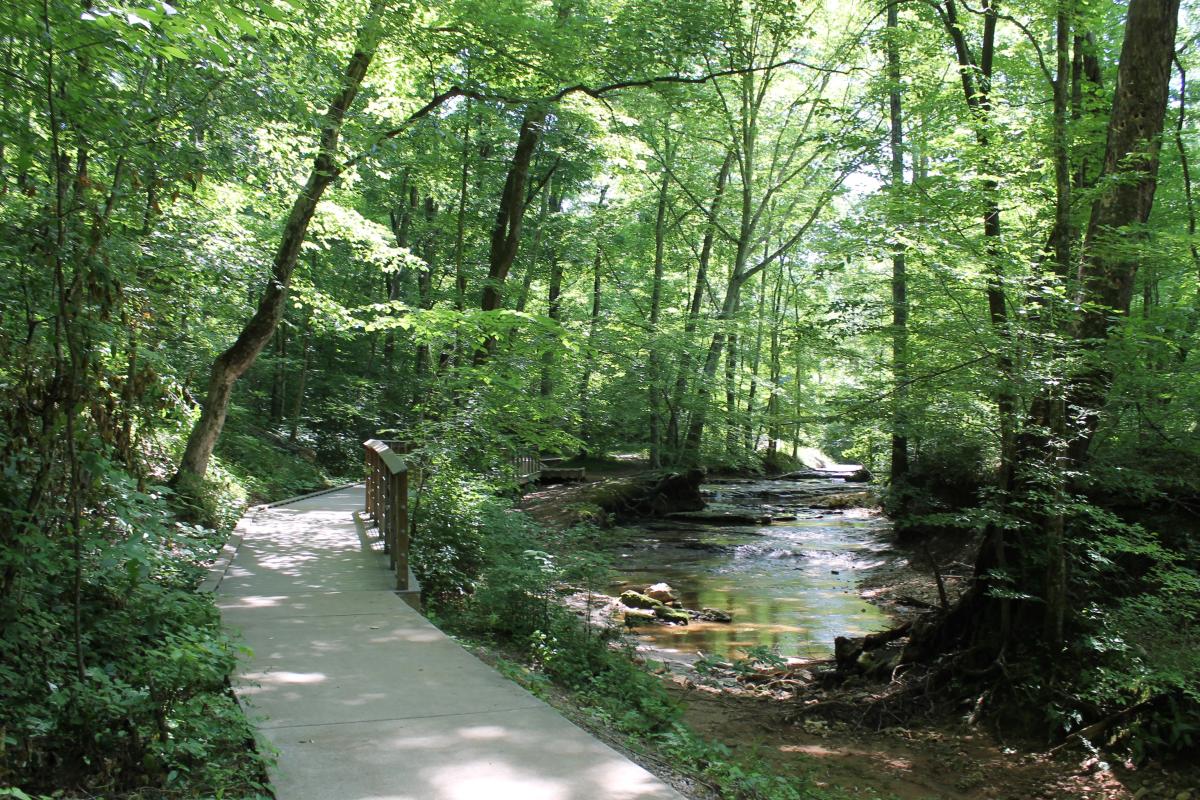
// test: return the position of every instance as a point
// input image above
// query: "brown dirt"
(941, 762)
(559, 505)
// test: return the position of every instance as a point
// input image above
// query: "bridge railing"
(387, 502)
(526, 468)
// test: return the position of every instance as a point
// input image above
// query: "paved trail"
(364, 698)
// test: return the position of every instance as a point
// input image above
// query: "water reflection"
(789, 585)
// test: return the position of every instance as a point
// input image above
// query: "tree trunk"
(233, 363)
(535, 250)
(425, 296)
(1106, 277)
(585, 382)
(899, 464)
(553, 309)
(279, 378)
(750, 440)
(693, 317)
(506, 232)
(302, 381)
(1109, 265)
(401, 225)
(1055, 591)
(654, 385)
(976, 83)
(460, 276)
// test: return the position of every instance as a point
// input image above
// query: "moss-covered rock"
(676, 615)
(638, 600)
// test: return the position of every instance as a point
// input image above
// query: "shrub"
(447, 546)
(137, 700)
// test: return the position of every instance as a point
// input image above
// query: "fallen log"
(653, 494)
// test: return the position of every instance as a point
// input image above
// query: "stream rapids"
(789, 585)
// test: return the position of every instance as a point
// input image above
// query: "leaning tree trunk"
(233, 363)
(506, 233)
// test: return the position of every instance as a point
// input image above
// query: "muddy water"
(789, 585)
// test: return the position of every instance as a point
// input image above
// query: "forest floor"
(917, 757)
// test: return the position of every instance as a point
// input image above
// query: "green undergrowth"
(489, 576)
(114, 670)
(266, 465)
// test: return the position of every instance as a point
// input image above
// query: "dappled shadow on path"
(363, 697)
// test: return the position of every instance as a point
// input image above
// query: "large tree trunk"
(1107, 270)
(506, 233)
(233, 363)
(510, 216)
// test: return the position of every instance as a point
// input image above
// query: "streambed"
(790, 585)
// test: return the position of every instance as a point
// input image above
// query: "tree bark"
(1109, 265)
(506, 232)
(425, 296)
(899, 463)
(233, 363)
(553, 307)
(585, 381)
(654, 386)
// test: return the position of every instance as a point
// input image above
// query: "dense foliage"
(948, 241)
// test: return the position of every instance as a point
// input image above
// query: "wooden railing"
(527, 468)
(387, 502)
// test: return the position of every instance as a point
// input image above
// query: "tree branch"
(597, 92)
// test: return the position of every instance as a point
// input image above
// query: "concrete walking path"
(363, 698)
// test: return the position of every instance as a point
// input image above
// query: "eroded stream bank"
(791, 584)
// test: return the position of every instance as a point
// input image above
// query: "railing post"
(387, 503)
(367, 470)
(388, 518)
(399, 518)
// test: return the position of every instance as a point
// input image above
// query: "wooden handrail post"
(399, 483)
(387, 503)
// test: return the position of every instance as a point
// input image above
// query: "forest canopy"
(954, 242)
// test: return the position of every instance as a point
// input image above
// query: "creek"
(790, 585)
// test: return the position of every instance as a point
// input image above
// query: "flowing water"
(790, 585)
